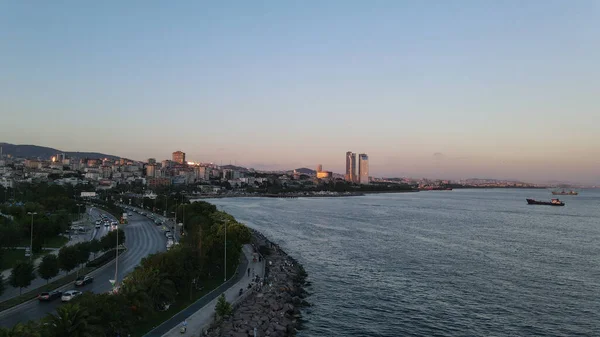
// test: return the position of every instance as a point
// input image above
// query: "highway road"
(143, 237)
(90, 234)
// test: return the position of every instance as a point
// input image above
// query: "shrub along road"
(142, 238)
(94, 233)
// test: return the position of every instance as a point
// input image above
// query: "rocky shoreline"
(273, 305)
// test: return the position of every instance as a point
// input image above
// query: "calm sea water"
(441, 263)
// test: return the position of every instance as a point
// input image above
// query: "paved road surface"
(91, 233)
(143, 238)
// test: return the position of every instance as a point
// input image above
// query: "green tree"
(151, 281)
(95, 247)
(68, 258)
(21, 276)
(111, 312)
(48, 268)
(83, 252)
(109, 241)
(71, 320)
(29, 329)
(223, 308)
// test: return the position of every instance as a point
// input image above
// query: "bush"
(109, 255)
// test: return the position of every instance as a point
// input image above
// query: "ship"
(563, 192)
(553, 202)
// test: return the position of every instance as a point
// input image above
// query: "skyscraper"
(351, 167)
(179, 157)
(319, 168)
(363, 168)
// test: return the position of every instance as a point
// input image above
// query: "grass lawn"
(10, 257)
(56, 242)
(52, 242)
(181, 302)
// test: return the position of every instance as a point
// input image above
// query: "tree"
(95, 247)
(223, 308)
(49, 267)
(29, 329)
(109, 241)
(71, 320)
(68, 258)
(83, 252)
(111, 312)
(21, 276)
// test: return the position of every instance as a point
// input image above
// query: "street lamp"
(79, 211)
(31, 243)
(225, 261)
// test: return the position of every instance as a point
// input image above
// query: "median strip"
(32, 294)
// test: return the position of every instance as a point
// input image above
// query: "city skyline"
(446, 90)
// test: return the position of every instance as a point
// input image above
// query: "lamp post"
(31, 243)
(225, 261)
(79, 211)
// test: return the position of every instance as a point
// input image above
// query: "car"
(83, 280)
(49, 296)
(106, 224)
(129, 214)
(69, 295)
(98, 222)
(97, 225)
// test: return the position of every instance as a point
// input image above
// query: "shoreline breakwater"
(272, 306)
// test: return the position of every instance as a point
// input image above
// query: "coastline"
(272, 306)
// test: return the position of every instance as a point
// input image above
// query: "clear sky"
(453, 89)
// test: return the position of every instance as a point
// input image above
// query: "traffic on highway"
(143, 237)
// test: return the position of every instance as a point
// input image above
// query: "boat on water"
(563, 192)
(553, 202)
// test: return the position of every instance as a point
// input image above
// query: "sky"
(441, 89)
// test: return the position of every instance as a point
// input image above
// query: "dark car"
(49, 296)
(83, 280)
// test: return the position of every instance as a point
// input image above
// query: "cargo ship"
(553, 202)
(563, 192)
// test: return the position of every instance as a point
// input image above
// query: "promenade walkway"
(201, 314)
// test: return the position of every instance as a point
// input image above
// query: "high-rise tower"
(179, 157)
(351, 167)
(363, 168)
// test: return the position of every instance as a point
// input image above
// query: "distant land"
(34, 151)
(304, 170)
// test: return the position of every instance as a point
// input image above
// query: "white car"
(106, 224)
(69, 295)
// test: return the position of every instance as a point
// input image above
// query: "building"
(150, 171)
(179, 157)
(319, 168)
(106, 171)
(201, 173)
(151, 160)
(351, 167)
(154, 182)
(363, 169)
(324, 174)
(33, 164)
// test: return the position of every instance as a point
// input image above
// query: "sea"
(468, 262)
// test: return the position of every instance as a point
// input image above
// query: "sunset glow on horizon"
(452, 90)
